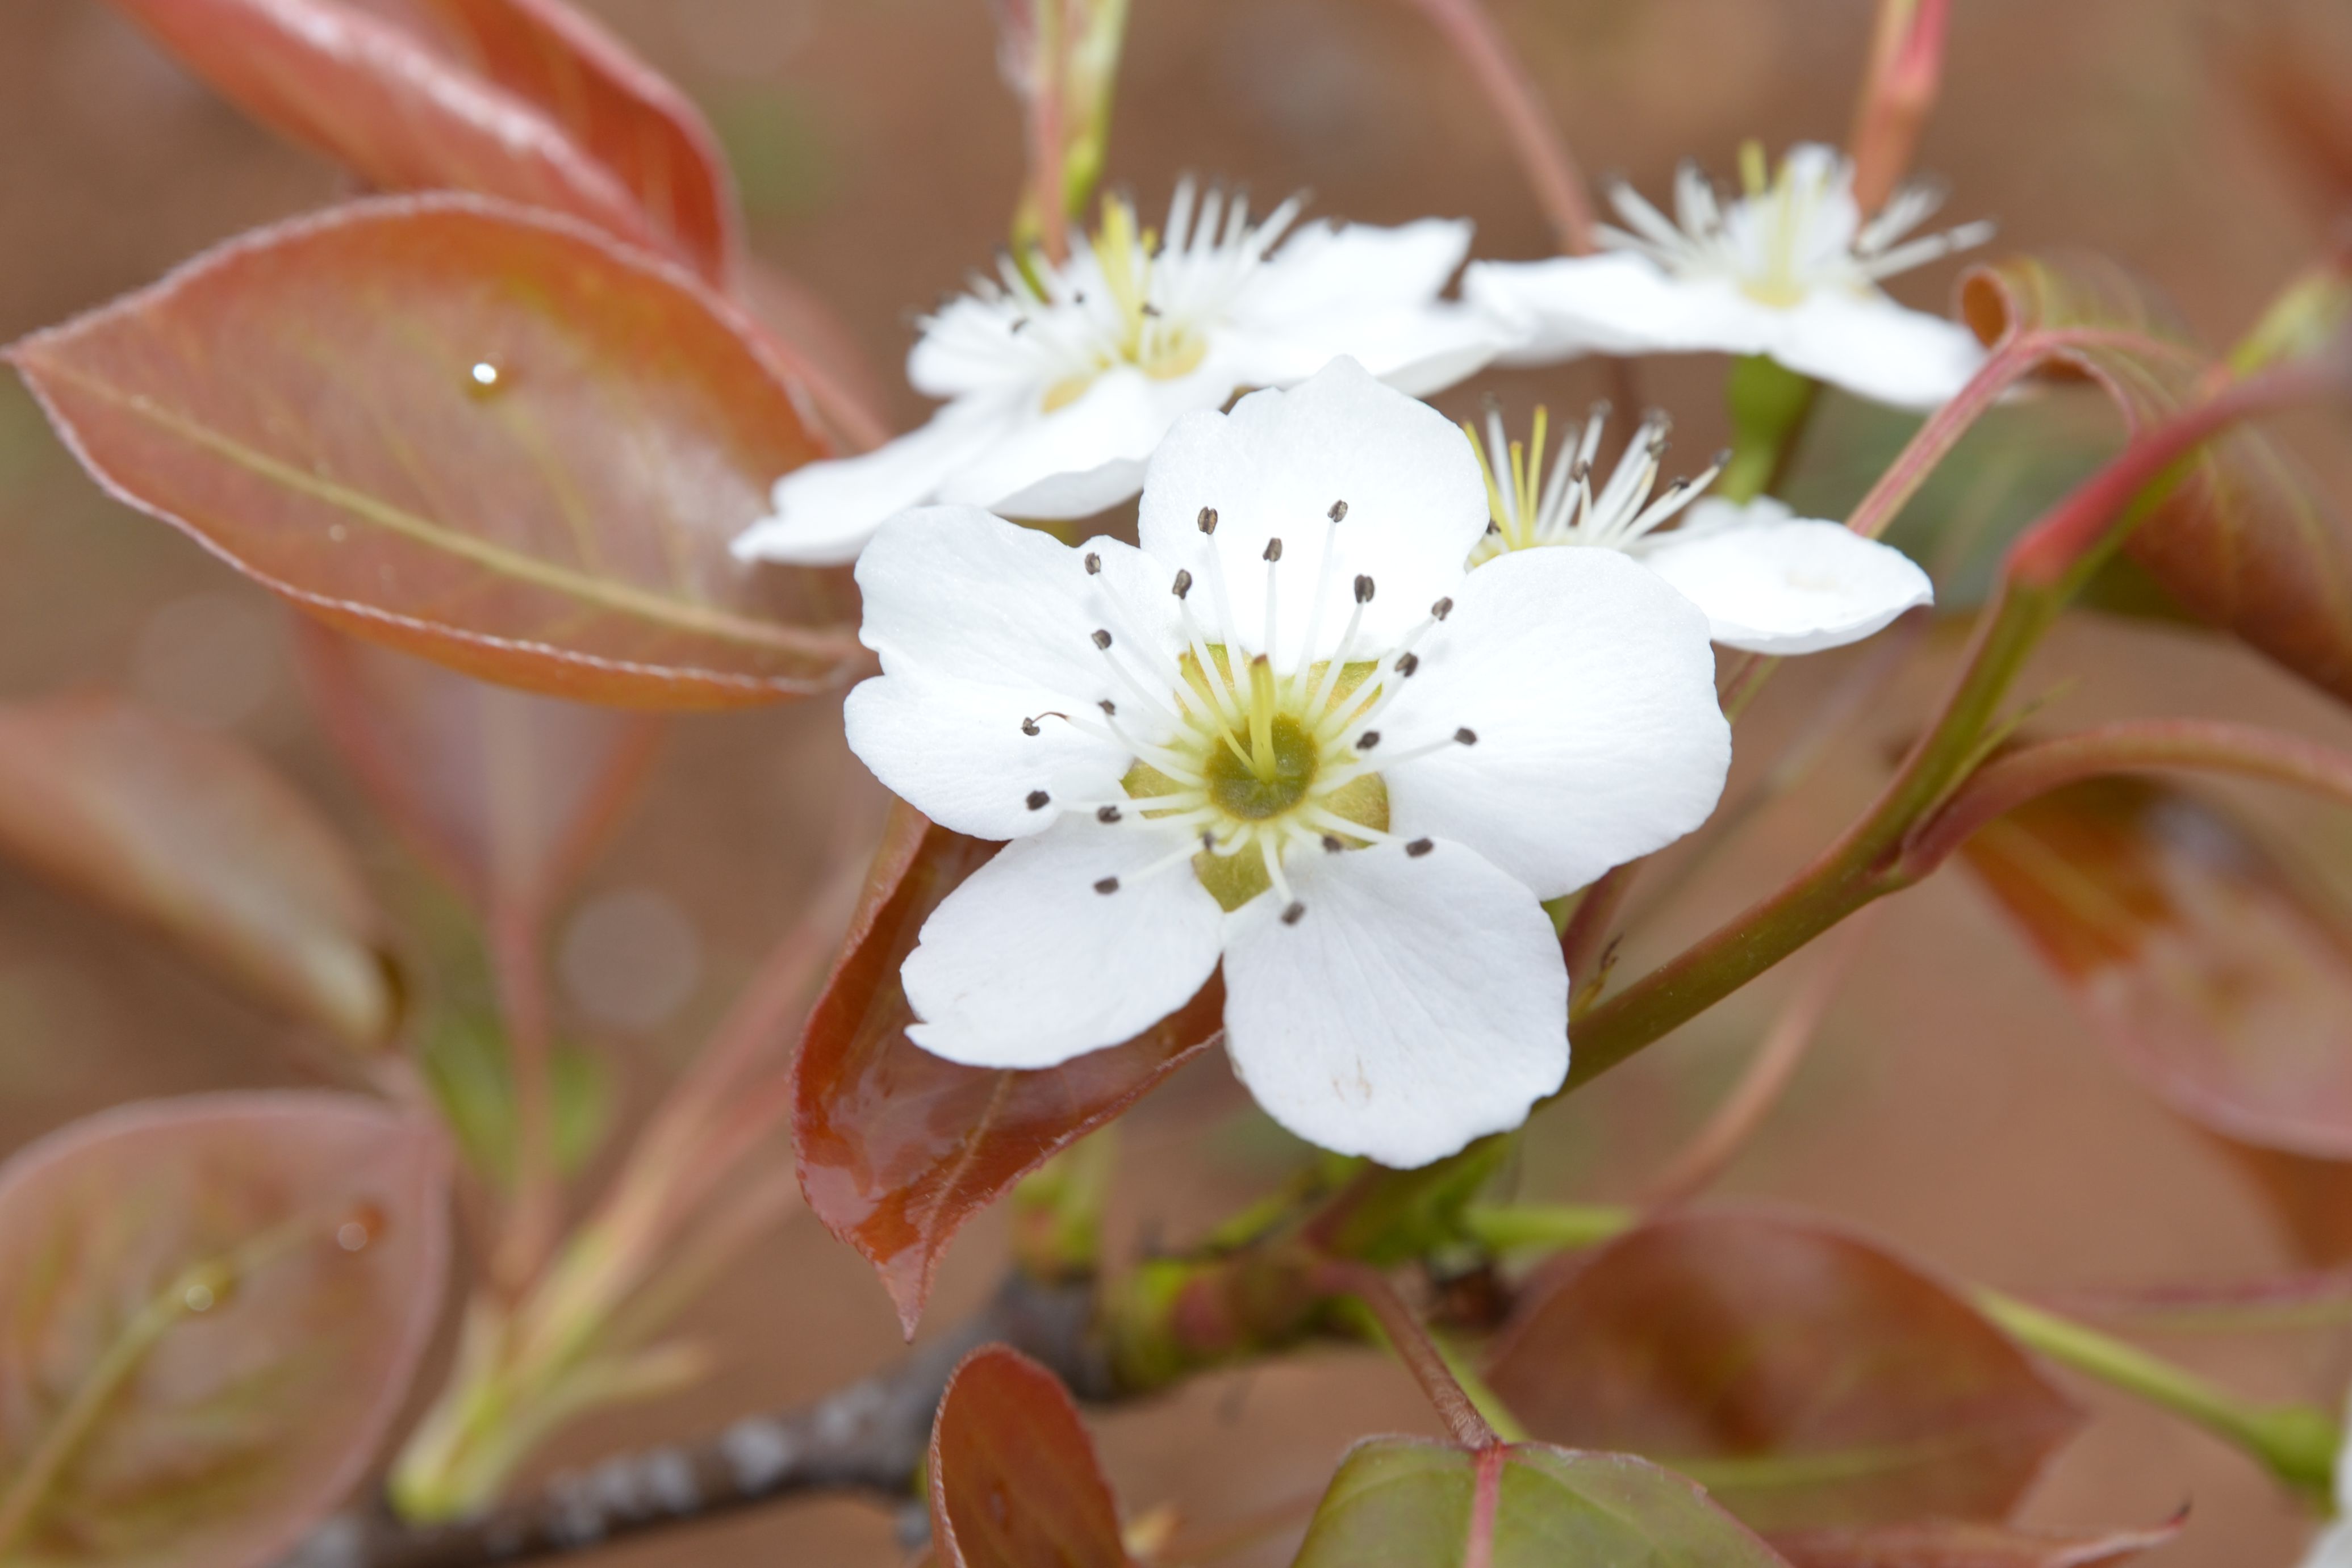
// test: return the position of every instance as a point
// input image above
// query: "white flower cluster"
(1356, 706)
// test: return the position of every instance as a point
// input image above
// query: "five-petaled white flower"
(1790, 269)
(1769, 582)
(1293, 733)
(1061, 380)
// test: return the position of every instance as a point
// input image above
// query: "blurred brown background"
(1953, 1102)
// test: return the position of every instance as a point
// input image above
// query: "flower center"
(1254, 789)
(1527, 509)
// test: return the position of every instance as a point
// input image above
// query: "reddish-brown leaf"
(1014, 1482)
(2242, 540)
(1405, 1502)
(214, 1307)
(192, 833)
(2222, 983)
(1806, 1376)
(1952, 1544)
(483, 434)
(899, 1147)
(508, 794)
(623, 113)
(380, 100)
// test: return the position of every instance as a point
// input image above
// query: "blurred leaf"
(899, 1147)
(1947, 1543)
(215, 1307)
(1013, 1479)
(1403, 1502)
(2223, 983)
(2244, 540)
(469, 431)
(191, 833)
(510, 795)
(1806, 1376)
(627, 116)
(398, 113)
(466, 1064)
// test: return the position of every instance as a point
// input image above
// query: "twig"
(1420, 1353)
(870, 1437)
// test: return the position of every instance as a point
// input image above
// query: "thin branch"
(1413, 1347)
(1534, 135)
(870, 1437)
(1768, 1075)
(1906, 68)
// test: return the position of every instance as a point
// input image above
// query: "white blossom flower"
(1292, 734)
(1769, 582)
(1790, 269)
(1061, 380)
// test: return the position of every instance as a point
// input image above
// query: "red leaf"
(1805, 1375)
(2221, 983)
(1014, 1482)
(2244, 540)
(379, 100)
(508, 794)
(1948, 1543)
(622, 111)
(482, 434)
(198, 837)
(899, 1147)
(1405, 1502)
(215, 1307)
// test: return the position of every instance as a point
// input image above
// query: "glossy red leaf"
(1405, 1502)
(2243, 540)
(508, 794)
(485, 435)
(2221, 982)
(214, 1309)
(1948, 1543)
(1014, 1481)
(899, 1147)
(628, 117)
(380, 100)
(197, 836)
(1806, 1376)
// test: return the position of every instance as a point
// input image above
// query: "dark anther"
(1721, 458)
(1094, 564)
(1467, 736)
(1108, 706)
(1338, 511)
(1407, 663)
(1363, 589)
(1579, 471)
(1208, 841)
(1419, 847)
(1274, 549)
(1107, 813)
(1102, 638)
(1108, 884)
(1442, 608)
(1039, 799)
(1208, 520)
(1291, 915)
(1183, 584)
(1493, 526)
(1019, 322)
(1333, 842)
(1028, 726)
(1367, 740)
(1602, 409)
(1150, 309)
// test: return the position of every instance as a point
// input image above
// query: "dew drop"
(484, 378)
(363, 1225)
(338, 532)
(197, 1298)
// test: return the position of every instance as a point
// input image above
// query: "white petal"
(1419, 350)
(1771, 583)
(980, 624)
(1027, 966)
(826, 511)
(969, 346)
(2332, 1548)
(1273, 468)
(1617, 303)
(1589, 687)
(1876, 349)
(1419, 1003)
(1320, 269)
(1078, 459)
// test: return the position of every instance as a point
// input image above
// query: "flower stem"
(1769, 408)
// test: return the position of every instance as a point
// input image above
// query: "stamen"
(1029, 727)
(1039, 799)
(1261, 716)
(1102, 638)
(1273, 560)
(1419, 847)
(1107, 814)
(1440, 610)
(1108, 884)
(1183, 584)
(1333, 843)
(1338, 512)
(1094, 564)
(1294, 913)
(1367, 740)
(1363, 589)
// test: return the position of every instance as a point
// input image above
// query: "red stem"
(2135, 746)
(1534, 135)
(1906, 72)
(535, 1210)
(1413, 1346)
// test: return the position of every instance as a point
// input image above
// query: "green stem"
(2295, 1442)
(1770, 407)
(1550, 1227)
